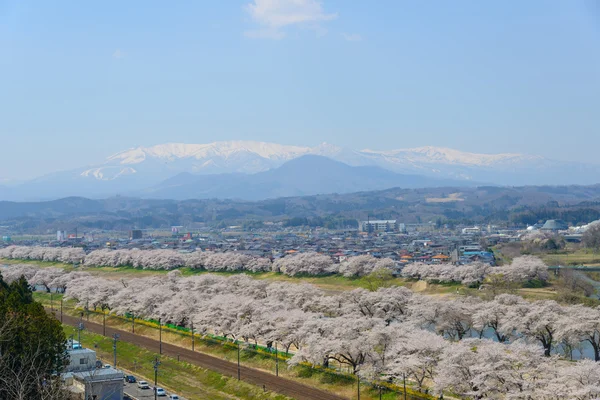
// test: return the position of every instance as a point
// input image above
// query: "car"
(107, 366)
(130, 379)
(174, 397)
(143, 385)
(160, 391)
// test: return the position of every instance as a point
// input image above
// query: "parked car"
(160, 392)
(130, 379)
(143, 385)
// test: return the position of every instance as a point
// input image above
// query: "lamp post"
(132, 323)
(103, 323)
(115, 338)
(276, 361)
(79, 329)
(156, 364)
(160, 336)
(61, 307)
(238, 354)
(192, 335)
(87, 310)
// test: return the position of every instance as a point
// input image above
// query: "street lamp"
(192, 335)
(276, 361)
(61, 306)
(132, 323)
(238, 354)
(160, 335)
(156, 364)
(115, 338)
(103, 323)
(79, 329)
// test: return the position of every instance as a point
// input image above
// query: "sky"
(82, 80)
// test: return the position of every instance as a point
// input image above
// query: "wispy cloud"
(118, 54)
(352, 37)
(274, 15)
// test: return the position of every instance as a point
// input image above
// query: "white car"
(143, 385)
(160, 392)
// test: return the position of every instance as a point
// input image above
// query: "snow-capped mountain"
(141, 168)
(251, 157)
(219, 157)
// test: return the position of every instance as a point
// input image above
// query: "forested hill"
(521, 205)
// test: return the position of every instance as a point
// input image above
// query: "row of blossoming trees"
(505, 348)
(310, 263)
(39, 253)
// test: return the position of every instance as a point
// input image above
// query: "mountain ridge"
(302, 176)
(142, 168)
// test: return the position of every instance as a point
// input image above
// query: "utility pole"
(192, 335)
(115, 338)
(238, 351)
(276, 361)
(160, 336)
(79, 329)
(156, 364)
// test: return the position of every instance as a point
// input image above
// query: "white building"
(86, 378)
(387, 225)
(471, 231)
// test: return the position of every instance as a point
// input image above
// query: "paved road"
(281, 385)
(142, 394)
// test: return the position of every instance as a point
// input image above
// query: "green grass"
(576, 257)
(183, 378)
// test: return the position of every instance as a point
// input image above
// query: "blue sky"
(82, 80)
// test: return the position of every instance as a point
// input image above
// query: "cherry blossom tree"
(305, 264)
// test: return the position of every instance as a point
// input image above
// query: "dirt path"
(280, 385)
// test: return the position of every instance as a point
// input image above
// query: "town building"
(388, 225)
(86, 377)
(135, 234)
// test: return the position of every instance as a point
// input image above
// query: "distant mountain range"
(258, 170)
(305, 175)
(480, 205)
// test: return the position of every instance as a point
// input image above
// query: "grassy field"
(183, 378)
(577, 257)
